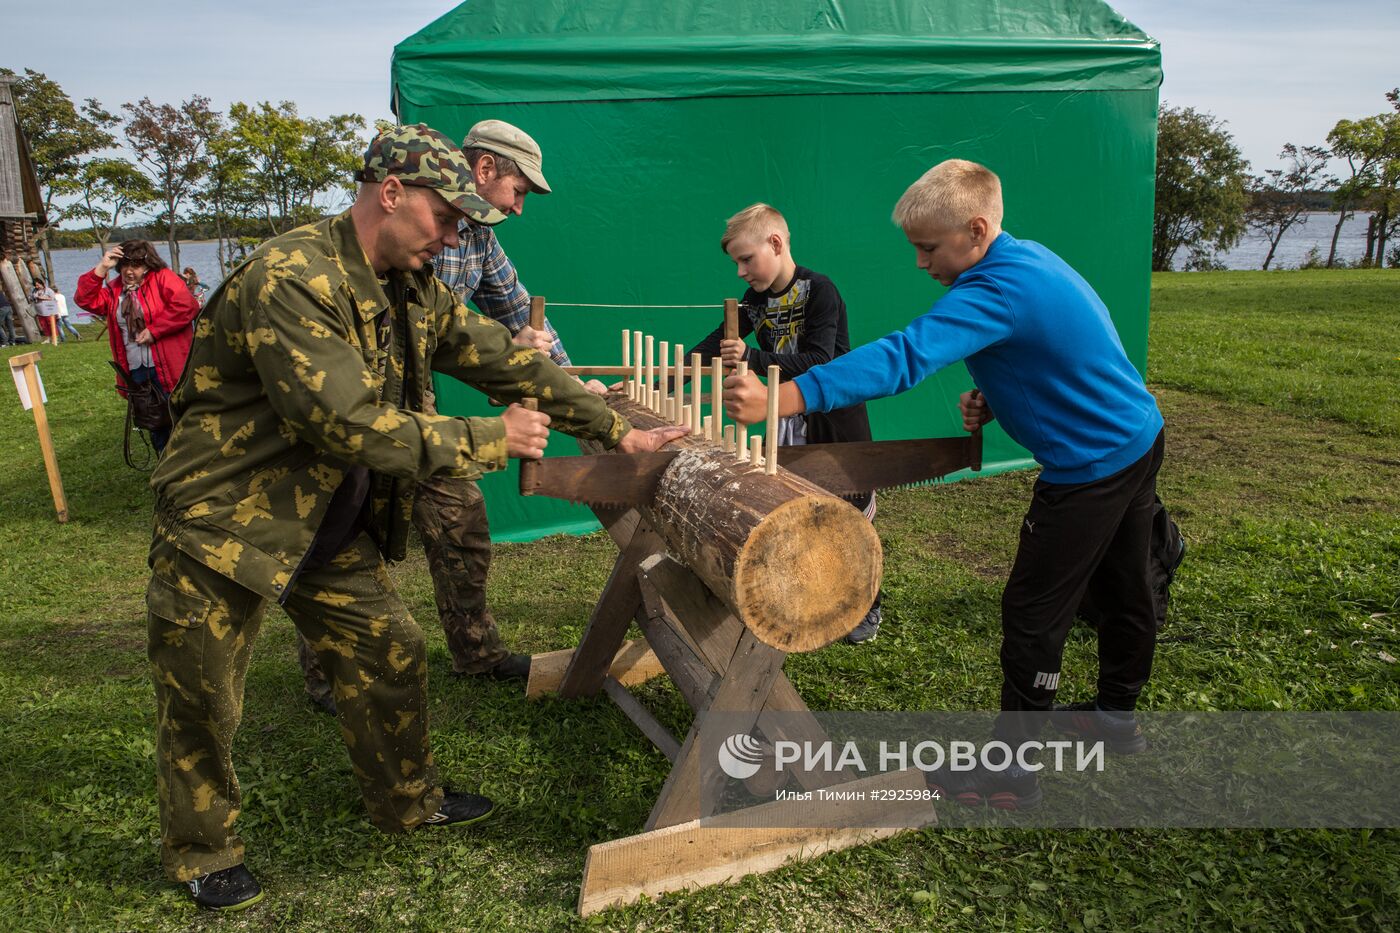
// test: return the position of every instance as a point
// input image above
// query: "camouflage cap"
(421, 156)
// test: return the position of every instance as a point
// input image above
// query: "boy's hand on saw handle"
(975, 412)
(746, 399)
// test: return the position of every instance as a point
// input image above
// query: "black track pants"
(1075, 538)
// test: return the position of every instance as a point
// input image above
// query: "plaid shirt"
(479, 271)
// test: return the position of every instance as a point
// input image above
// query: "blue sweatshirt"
(1039, 344)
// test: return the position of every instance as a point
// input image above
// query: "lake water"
(1249, 254)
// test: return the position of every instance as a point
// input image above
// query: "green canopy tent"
(658, 121)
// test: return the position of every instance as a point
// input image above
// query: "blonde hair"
(757, 221)
(951, 194)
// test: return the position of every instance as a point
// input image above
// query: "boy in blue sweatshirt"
(1045, 358)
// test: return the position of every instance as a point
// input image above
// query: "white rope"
(574, 304)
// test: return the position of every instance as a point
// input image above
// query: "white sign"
(23, 385)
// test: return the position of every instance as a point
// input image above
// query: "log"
(9, 279)
(797, 565)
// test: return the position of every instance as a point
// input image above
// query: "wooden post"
(649, 394)
(665, 376)
(637, 366)
(26, 363)
(680, 383)
(756, 451)
(728, 438)
(770, 459)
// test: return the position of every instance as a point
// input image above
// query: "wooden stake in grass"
(741, 437)
(770, 460)
(697, 377)
(26, 371)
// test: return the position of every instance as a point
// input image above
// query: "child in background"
(1043, 352)
(799, 321)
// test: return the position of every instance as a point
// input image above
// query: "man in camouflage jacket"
(450, 511)
(290, 475)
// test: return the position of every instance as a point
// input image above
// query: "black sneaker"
(460, 810)
(231, 889)
(868, 628)
(1120, 731)
(514, 667)
(1012, 789)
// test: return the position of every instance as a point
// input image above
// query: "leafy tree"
(168, 144)
(1278, 204)
(1201, 188)
(295, 159)
(60, 135)
(1371, 147)
(226, 191)
(108, 190)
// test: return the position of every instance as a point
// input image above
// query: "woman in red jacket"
(148, 310)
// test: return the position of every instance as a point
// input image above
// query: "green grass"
(1283, 467)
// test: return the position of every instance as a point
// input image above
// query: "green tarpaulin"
(658, 121)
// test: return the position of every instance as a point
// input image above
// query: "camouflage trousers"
(450, 515)
(202, 627)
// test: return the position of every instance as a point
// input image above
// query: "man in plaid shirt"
(450, 513)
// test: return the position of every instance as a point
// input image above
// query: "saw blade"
(847, 469)
(600, 479)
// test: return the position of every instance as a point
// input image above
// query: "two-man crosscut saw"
(843, 469)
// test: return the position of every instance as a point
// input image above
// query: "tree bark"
(20, 299)
(795, 564)
(1336, 233)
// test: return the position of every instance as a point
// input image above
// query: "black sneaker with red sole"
(1120, 731)
(1012, 789)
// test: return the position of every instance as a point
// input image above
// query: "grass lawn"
(1283, 467)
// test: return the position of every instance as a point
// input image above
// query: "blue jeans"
(65, 325)
(140, 374)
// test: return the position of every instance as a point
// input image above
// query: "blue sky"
(1279, 71)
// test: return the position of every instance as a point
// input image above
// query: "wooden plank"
(688, 855)
(617, 605)
(690, 674)
(634, 663)
(642, 718)
(743, 691)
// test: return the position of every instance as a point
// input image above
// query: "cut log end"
(808, 573)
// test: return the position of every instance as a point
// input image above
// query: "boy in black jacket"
(799, 321)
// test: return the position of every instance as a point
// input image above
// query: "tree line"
(1207, 199)
(240, 177)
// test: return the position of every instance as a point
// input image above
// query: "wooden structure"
(725, 573)
(21, 211)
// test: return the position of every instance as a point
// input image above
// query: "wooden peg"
(729, 438)
(717, 398)
(770, 459)
(537, 312)
(649, 399)
(697, 377)
(709, 427)
(680, 385)
(663, 387)
(627, 358)
(741, 436)
(637, 364)
(756, 450)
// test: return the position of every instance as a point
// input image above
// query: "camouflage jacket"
(294, 375)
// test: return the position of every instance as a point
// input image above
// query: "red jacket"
(166, 304)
